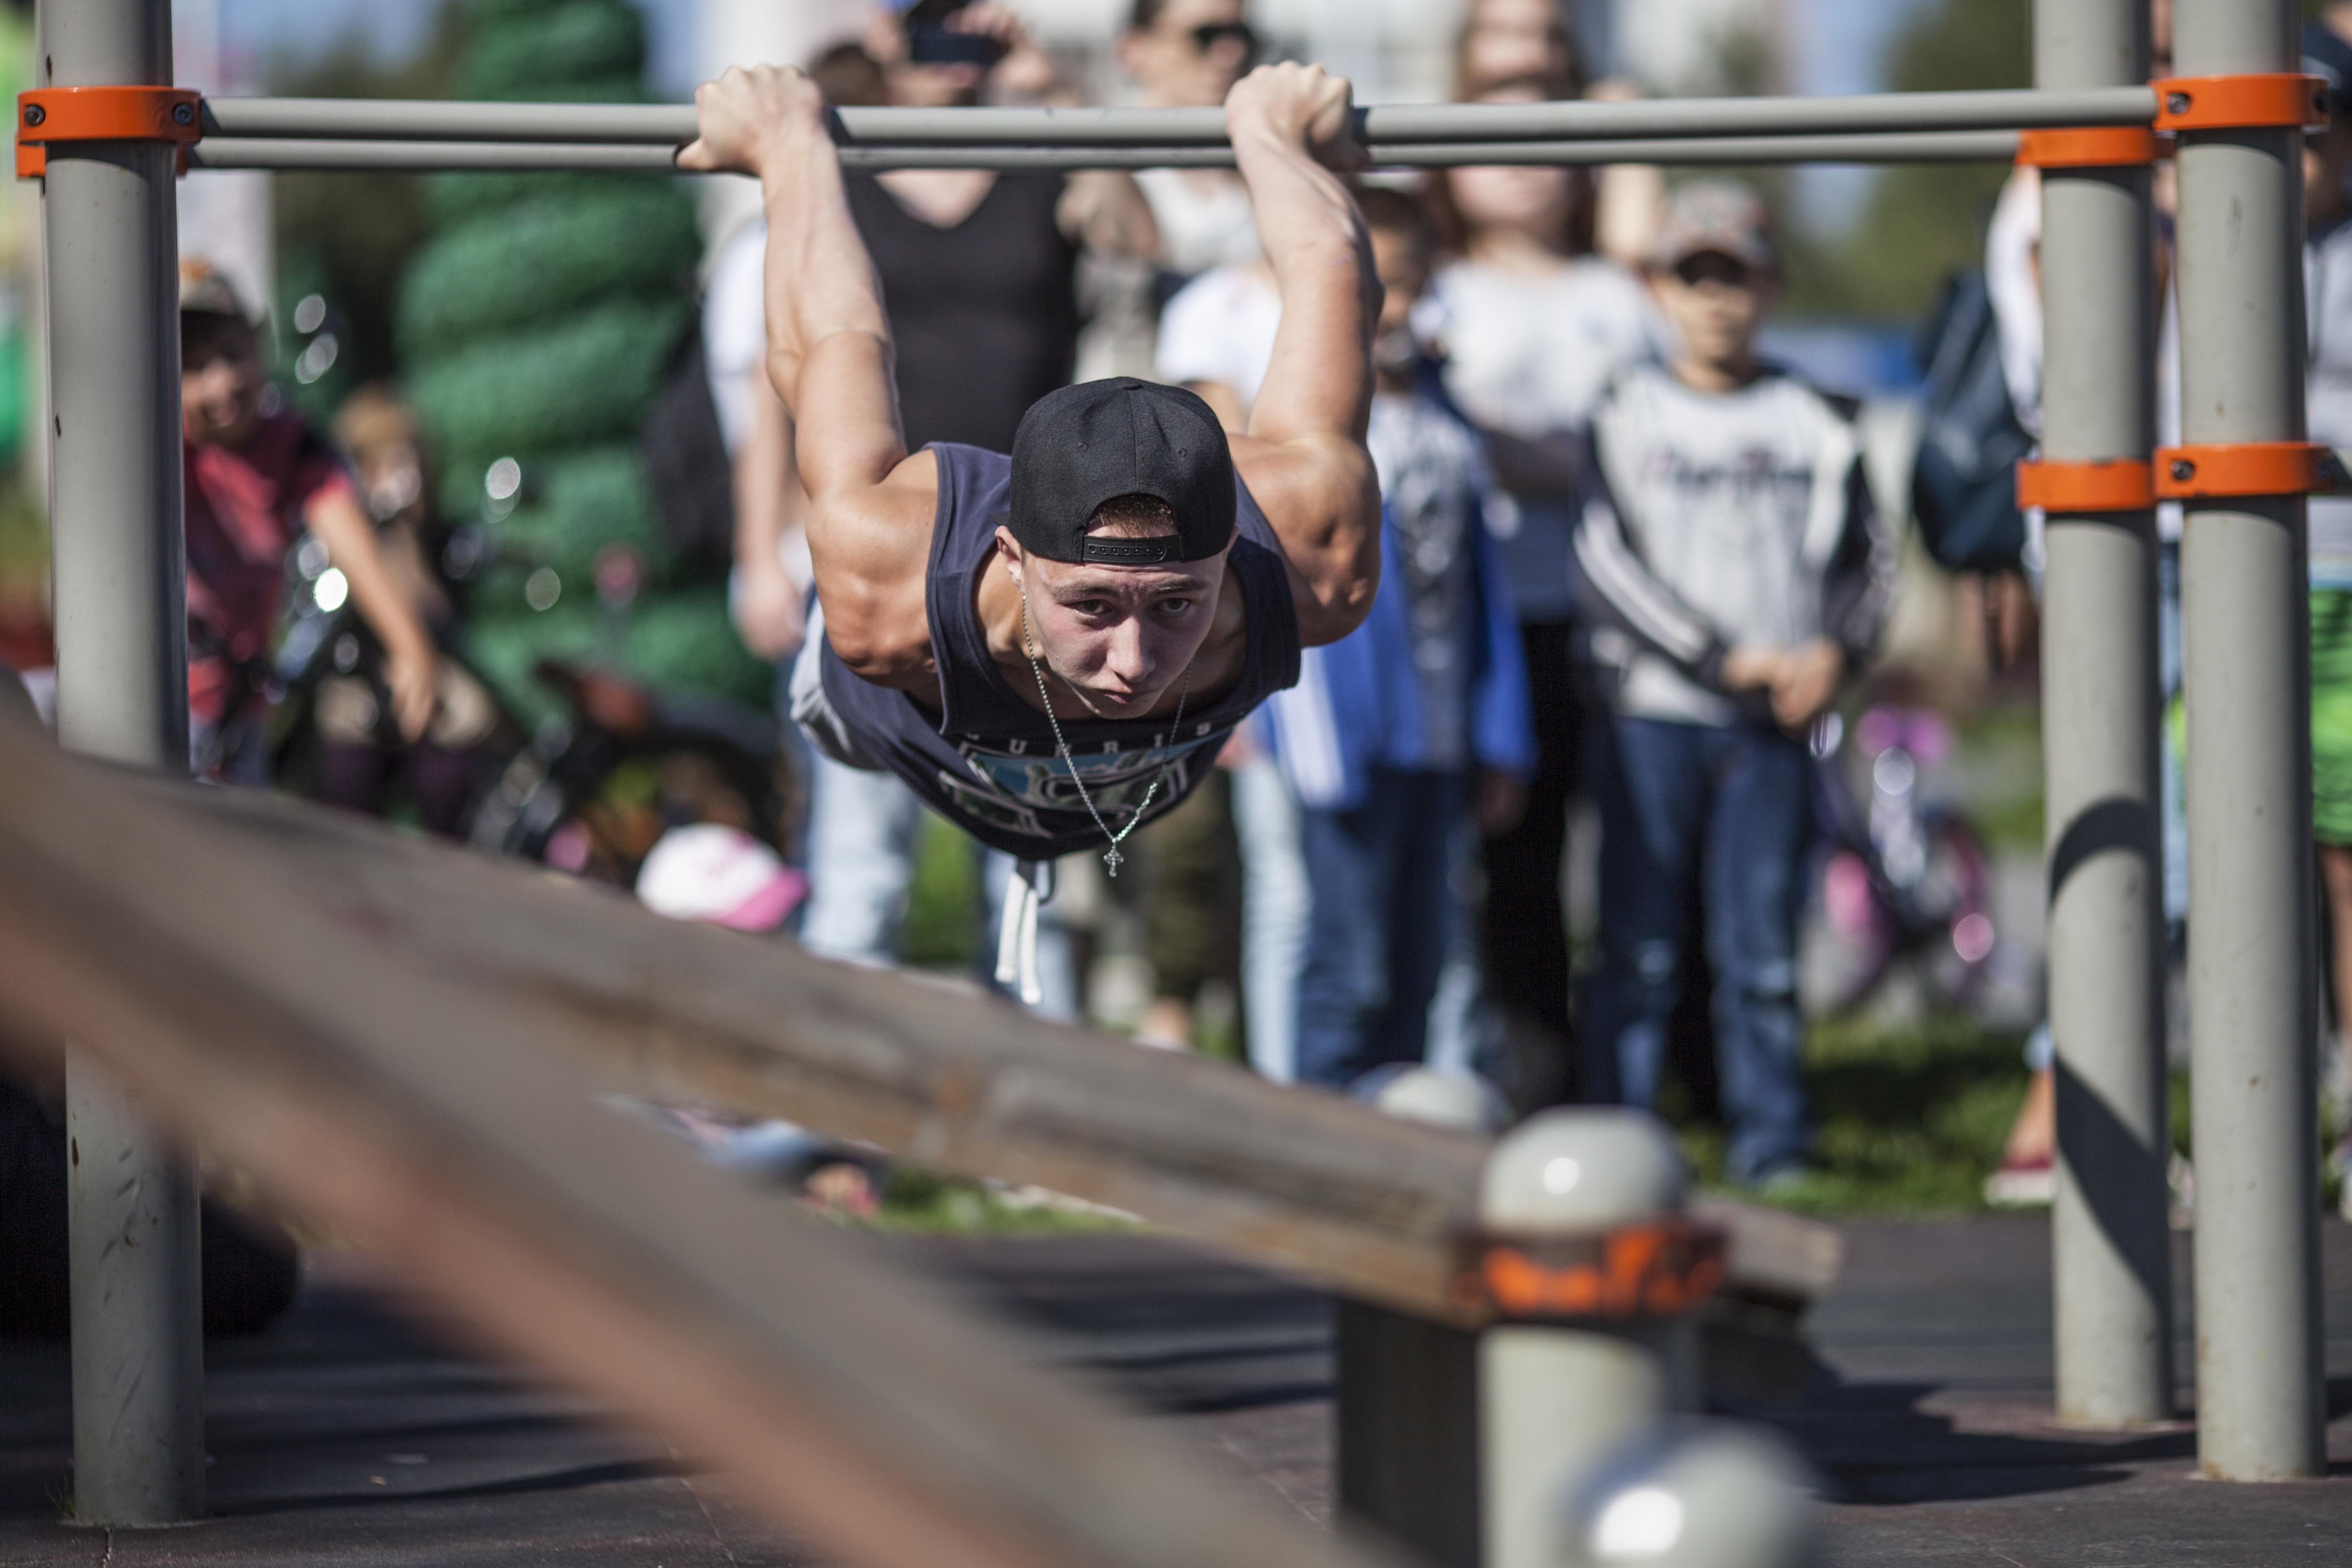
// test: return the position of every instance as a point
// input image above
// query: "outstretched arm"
(1304, 457)
(829, 357)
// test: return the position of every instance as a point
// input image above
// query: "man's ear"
(1008, 550)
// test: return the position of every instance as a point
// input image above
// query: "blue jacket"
(1357, 705)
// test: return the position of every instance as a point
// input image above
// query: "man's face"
(1192, 54)
(1121, 636)
(220, 386)
(1514, 40)
(916, 86)
(1715, 303)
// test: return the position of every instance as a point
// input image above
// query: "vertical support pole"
(115, 531)
(2246, 647)
(1408, 1429)
(2112, 1255)
(1557, 1402)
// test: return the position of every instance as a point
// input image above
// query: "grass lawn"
(1909, 1117)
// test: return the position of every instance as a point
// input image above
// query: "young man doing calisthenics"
(1050, 647)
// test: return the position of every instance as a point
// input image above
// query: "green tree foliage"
(347, 237)
(536, 324)
(1924, 221)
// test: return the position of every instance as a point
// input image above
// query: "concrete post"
(115, 531)
(1407, 1389)
(1558, 1402)
(1709, 1496)
(2111, 1270)
(2251, 1000)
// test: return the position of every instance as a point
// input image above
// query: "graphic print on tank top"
(985, 759)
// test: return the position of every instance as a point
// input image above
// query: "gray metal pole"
(2244, 598)
(2112, 1259)
(634, 158)
(115, 522)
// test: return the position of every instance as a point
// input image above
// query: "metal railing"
(331, 133)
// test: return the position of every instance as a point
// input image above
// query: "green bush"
(521, 49)
(541, 260)
(588, 378)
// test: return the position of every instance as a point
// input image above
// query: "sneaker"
(2022, 1184)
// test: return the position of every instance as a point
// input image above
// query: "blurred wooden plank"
(954, 1080)
(304, 1043)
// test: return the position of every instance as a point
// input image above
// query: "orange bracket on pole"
(1656, 1270)
(2241, 102)
(2123, 484)
(2245, 468)
(102, 114)
(2089, 147)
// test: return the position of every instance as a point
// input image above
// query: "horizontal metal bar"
(1956, 146)
(641, 124)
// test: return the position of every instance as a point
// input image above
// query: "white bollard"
(1710, 1496)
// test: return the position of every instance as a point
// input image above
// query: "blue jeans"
(861, 866)
(1378, 932)
(1732, 807)
(1274, 902)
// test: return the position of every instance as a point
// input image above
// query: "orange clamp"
(2121, 484)
(2244, 468)
(2241, 102)
(102, 114)
(1654, 1271)
(2089, 147)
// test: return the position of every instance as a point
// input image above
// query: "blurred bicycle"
(1905, 884)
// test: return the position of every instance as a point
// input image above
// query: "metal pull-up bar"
(1934, 126)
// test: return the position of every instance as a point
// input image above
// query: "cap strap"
(1150, 551)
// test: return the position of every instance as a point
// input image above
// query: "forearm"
(1546, 468)
(350, 539)
(829, 354)
(766, 483)
(1319, 377)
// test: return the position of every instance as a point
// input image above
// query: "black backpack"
(686, 464)
(1963, 481)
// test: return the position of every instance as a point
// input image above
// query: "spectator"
(1532, 328)
(1423, 716)
(2327, 287)
(978, 274)
(360, 754)
(257, 476)
(1731, 566)
(1217, 338)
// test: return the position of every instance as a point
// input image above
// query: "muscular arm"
(829, 358)
(1304, 457)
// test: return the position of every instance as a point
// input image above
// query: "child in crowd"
(257, 476)
(1730, 572)
(1401, 734)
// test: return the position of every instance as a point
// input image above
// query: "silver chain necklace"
(1112, 858)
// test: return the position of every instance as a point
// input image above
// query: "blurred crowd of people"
(1624, 557)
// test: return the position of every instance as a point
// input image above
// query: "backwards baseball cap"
(205, 290)
(1720, 216)
(1099, 440)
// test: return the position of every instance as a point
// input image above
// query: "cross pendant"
(1111, 859)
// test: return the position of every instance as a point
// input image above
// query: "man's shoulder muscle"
(871, 551)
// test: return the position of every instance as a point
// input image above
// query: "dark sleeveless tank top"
(987, 760)
(983, 314)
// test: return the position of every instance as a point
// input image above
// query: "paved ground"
(351, 1437)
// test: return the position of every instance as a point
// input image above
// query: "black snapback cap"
(1085, 444)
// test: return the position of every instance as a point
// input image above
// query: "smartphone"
(931, 44)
